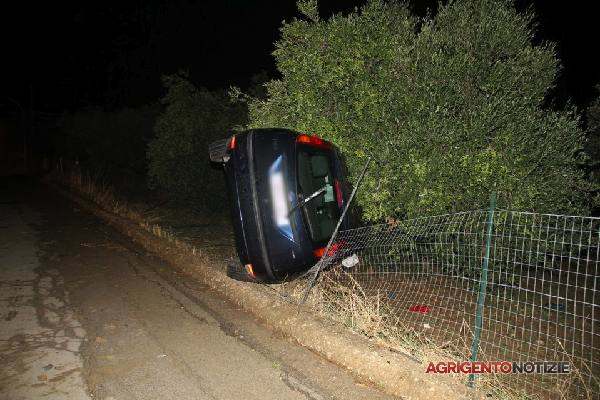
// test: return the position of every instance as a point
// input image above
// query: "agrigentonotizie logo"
(499, 367)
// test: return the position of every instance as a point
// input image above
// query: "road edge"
(391, 372)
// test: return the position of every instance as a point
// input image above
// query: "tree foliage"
(592, 149)
(112, 142)
(178, 155)
(448, 108)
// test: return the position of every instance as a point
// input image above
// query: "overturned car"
(287, 193)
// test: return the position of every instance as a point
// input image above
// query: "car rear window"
(315, 172)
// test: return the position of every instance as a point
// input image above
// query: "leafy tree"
(592, 149)
(112, 142)
(448, 108)
(178, 155)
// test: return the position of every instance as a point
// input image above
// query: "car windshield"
(315, 174)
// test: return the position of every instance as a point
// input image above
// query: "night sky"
(72, 55)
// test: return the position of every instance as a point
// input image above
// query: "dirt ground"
(518, 330)
(86, 313)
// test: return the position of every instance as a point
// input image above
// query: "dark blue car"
(287, 193)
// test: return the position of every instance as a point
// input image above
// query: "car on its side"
(287, 192)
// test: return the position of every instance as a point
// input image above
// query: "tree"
(178, 155)
(111, 142)
(592, 149)
(448, 109)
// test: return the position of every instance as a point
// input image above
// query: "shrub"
(178, 155)
(449, 109)
(592, 150)
(112, 142)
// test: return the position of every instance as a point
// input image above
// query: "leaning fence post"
(316, 269)
(483, 281)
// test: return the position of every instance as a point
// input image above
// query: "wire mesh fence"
(424, 278)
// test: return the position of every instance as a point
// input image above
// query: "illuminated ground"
(87, 313)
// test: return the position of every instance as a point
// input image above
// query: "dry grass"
(337, 296)
(104, 196)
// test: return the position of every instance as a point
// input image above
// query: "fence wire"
(421, 277)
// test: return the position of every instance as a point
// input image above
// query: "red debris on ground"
(420, 308)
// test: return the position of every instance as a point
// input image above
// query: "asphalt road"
(85, 313)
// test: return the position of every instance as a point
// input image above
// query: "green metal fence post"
(483, 281)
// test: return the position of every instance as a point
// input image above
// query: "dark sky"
(97, 53)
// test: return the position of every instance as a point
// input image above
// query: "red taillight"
(313, 141)
(335, 247)
(319, 252)
(339, 196)
(231, 144)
